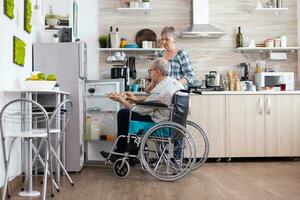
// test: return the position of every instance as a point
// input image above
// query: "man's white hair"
(161, 64)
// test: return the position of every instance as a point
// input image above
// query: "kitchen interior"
(246, 95)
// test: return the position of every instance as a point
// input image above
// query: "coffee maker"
(245, 71)
(121, 71)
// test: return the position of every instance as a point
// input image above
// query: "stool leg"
(43, 197)
(50, 164)
(6, 163)
(62, 166)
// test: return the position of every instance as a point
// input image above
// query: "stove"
(200, 90)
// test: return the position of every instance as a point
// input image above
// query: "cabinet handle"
(260, 106)
(269, 105)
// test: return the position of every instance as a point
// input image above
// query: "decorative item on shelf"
(134, 4)
(146, 3)
(123, 42)
(145, 35)
(9, 6)
(109, 37)
(258, 4)
(19, 51)
(103, 41)
(115, 38)
(27, 15)
(239, 38)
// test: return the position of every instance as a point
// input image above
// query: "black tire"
(121, 172)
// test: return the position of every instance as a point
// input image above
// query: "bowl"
(39, 85)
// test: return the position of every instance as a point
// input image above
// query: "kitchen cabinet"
(208, 111)
(249, 125)
(245, 126)
(282, 117)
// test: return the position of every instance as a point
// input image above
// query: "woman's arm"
(188, 73)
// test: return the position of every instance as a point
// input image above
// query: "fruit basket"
(39, 85)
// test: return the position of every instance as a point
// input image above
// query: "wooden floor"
(236, 180)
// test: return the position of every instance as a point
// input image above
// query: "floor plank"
(213, 181)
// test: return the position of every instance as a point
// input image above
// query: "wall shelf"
(266, 49)
(134, 10)
(130, 49)
(275, 11)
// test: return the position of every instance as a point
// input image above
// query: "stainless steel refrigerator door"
(66, 60)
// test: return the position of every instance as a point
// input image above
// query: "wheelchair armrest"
(152, 103)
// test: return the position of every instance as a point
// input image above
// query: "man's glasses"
(149, 70)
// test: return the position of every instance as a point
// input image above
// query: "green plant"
(9, 6)
(19, 51)
(146, 0)
(103, 41)
(27, 16)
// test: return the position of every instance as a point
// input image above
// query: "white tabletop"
(37, 91)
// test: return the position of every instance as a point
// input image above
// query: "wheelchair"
(167, 150)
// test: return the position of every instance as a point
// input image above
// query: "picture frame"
(75, 19)
(27, 15)
(8, 8)
(19, 51)
(56, 15)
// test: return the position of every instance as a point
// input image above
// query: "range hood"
(201, 26)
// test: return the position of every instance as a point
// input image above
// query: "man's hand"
(120, 97)
(131, 97)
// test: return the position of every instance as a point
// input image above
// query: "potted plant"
(146, 3)
(103, 41)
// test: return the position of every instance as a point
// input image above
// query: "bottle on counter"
(123, 42)
(239, 38)
(115, 39)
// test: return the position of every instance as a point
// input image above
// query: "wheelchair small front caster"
(121, 168)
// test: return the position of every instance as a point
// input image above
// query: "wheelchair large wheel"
(167, 151)
(201, 143)
(121, 168)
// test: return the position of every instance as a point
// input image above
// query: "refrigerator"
(69, 62)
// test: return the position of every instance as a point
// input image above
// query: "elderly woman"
(179, 61)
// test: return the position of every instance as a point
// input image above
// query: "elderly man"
(164, 89)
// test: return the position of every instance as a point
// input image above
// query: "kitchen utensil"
(197, 84)
(213, 79)
(145, 35)
(245, 71)
(131, 65)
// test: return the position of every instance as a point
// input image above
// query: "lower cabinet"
(245, 126)
(282, 125)
(257, 125)
(208, 111)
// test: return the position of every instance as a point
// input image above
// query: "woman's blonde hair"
(169, 31)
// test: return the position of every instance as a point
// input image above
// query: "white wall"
(298, 32)
(88, 32)
(11, 75)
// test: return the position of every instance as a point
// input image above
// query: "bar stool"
(17, 119)
(59, 118)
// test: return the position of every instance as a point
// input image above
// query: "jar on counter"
(269, 43)
(123, 42)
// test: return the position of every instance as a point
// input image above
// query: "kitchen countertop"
(248, 92)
